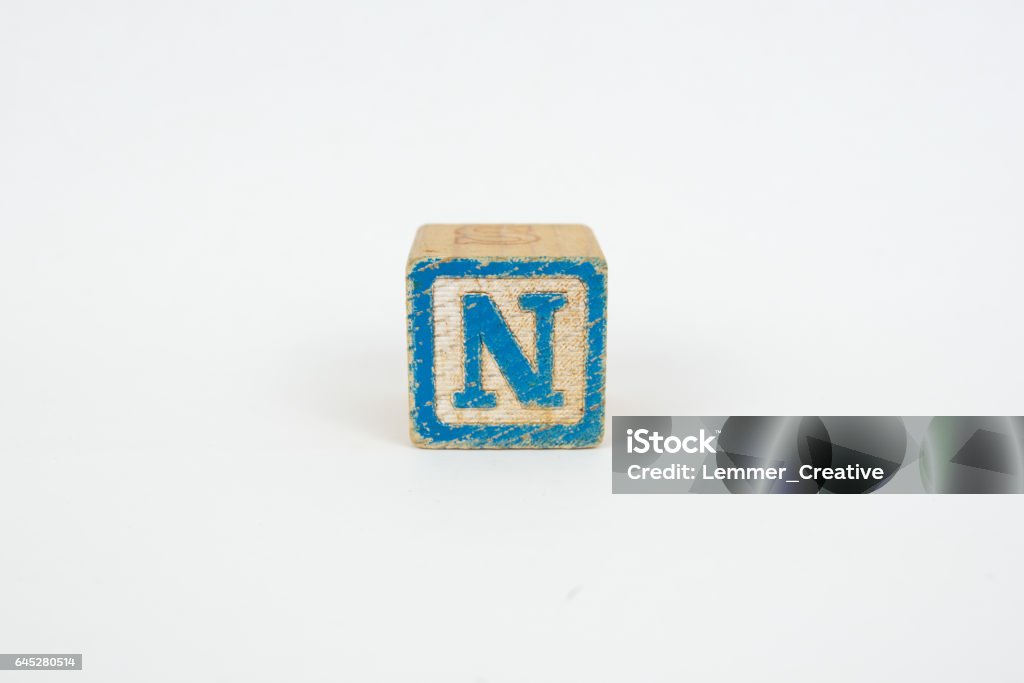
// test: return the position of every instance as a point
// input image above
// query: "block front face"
(507, 353)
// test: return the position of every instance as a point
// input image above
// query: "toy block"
(506, 336)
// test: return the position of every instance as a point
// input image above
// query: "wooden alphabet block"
(506, 336)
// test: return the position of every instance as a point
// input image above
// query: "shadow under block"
(506, 336)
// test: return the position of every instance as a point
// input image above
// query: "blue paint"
(586, 432)
(483, 325)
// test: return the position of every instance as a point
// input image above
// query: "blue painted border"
(425, 423)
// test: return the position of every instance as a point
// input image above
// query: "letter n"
(483, 325)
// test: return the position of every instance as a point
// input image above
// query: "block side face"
(577, 422)
(497, 241)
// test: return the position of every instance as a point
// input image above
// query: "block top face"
(503, 241)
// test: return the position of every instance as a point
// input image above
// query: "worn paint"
(431, 432)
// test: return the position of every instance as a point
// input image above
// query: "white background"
(205, 209)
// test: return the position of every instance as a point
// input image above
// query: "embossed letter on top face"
(510, 350)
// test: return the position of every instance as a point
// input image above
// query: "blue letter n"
(482, 324)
